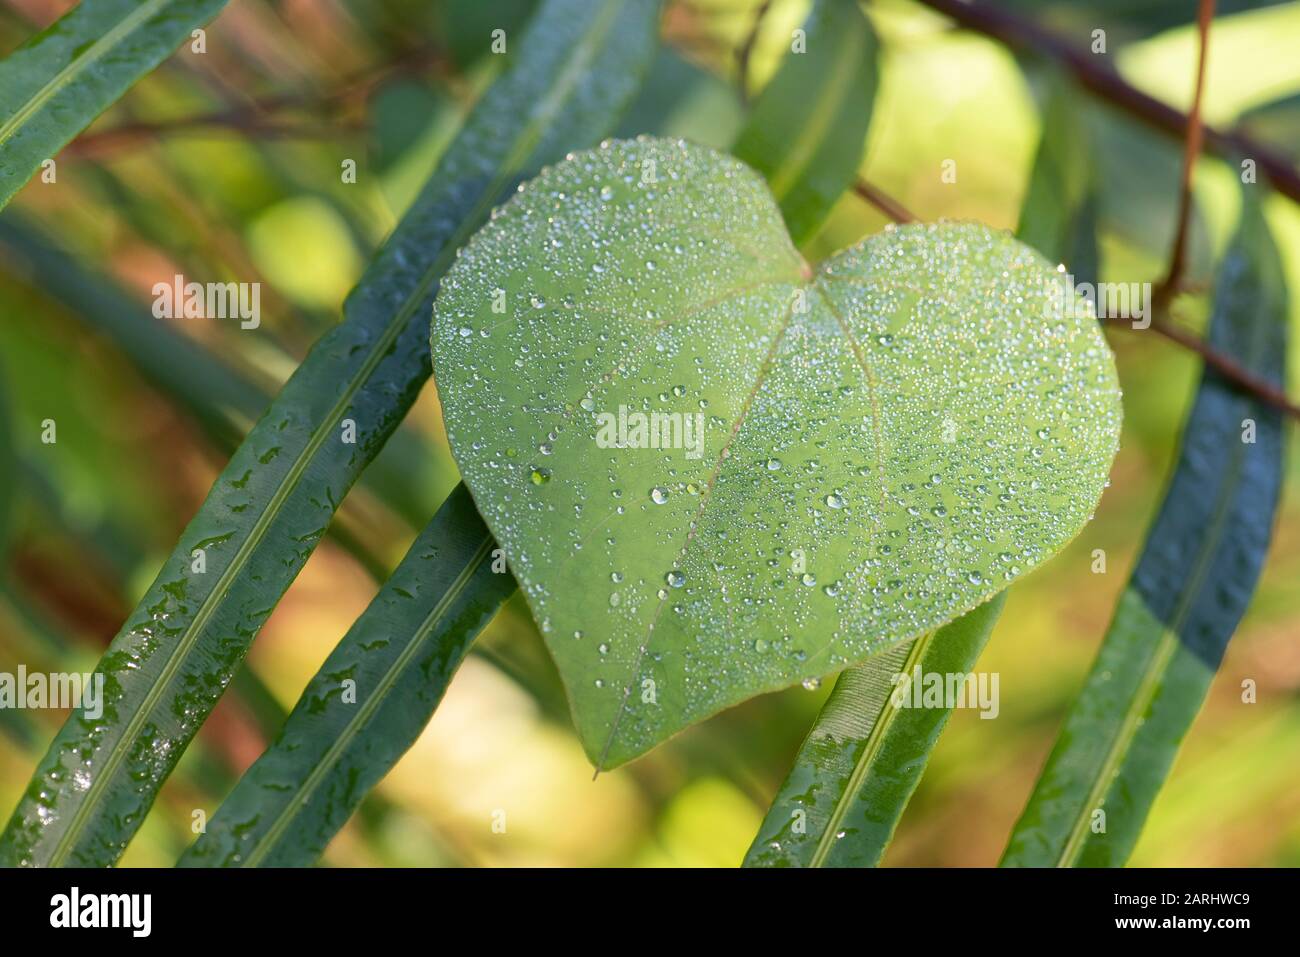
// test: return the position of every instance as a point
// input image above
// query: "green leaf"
(1192, 584)
(467, 25)
(399, 657)
(1276, 123)
(225, 402)
(807, 130)
(222, 400)
(56, 83)
(865, 755)
(860, 454)
(680, 99)
(1059, 216)
(575, 69)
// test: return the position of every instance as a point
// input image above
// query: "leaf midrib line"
(809, 281)
(1166, 646)
(524, 144)
(95, 51)
(373, 701)
(706, 496)
(873, 383)
(875, 741)
(609, 378)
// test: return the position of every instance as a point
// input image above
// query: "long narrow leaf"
(575, 68)
(1192, 584)
(1059, 215)
(807, 130)
(225, 402)
(368, 702)
(680, 99)
(865, 755)
(220, 398)
(55, 84)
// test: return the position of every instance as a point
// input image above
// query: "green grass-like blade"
(1196, 575)
(400, 655)
(55, 84)
(626, 284)
(808, 128)
(574, 70)
(685, 100)
(1059, 216)
(222, 400)
(865, 755)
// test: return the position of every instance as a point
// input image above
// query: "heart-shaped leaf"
(717, 471)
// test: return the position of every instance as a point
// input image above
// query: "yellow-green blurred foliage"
(498, 777)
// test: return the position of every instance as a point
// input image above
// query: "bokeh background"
(225, 166)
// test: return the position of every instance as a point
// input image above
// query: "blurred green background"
(225, 166)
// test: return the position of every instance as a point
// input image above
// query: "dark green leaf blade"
(575, 69)
(53, 86)
(807, 130)
(680, 99)
(1059, 216)
(865, 755)
(1196, 575)
(224, 401)
(221, 399)
(400, 654)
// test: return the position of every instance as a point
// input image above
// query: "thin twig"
(1102, 80)
(254, 117)
(1192, 149)
(883, 201)
(1227, 367)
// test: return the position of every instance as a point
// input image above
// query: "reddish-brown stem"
(883, 202)
(1227, 367)
(1192, 149)
(255, 116)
